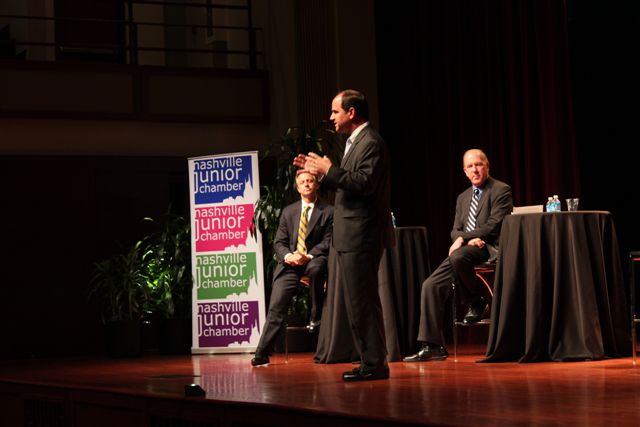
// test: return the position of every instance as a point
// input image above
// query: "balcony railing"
(141, 32)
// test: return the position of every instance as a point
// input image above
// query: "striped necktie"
(473, 210)
(301, 246)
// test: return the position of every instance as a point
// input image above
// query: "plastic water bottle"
(549, 206)
(556, 203)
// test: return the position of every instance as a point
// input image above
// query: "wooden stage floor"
(149, 391)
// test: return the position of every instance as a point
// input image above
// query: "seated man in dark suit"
(476, 227)
(302, 247)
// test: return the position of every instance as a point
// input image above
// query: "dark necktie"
(473, 210)
(301, 246)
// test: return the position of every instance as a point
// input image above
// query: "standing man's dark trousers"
(359, 275)
(457, 268)
(285, 286)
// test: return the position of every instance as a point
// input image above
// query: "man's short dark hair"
(355, 99)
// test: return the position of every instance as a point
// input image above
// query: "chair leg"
(454, 314)
(633, 340)
(286, 344)
(632, 304)
(484, 281)
(454, 307)
(304, 282)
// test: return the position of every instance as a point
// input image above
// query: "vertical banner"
(228, 292)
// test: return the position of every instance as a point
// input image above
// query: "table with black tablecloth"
(402, 270)
(558, 290)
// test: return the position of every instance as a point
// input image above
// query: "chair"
(304, 282)
(482, 271)
(634, 257)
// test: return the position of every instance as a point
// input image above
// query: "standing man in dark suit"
(362, 227)
(298, 256)
(476, 228)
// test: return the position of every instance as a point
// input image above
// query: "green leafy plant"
(154, 275)
(120, 283)
(167, 264)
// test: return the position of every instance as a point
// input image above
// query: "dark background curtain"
(527, 81)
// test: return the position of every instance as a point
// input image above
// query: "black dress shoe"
(359, 374)
(260, 360)
(313, 326)
(427, 353)
(476, 311)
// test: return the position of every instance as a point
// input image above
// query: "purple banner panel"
(226, 322)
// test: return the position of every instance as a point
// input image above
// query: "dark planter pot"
(150, 332)
(123, 338)
(174, 336)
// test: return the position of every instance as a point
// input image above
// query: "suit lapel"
(315, 214)
(354, 145)
(295, 223)
(486, 191)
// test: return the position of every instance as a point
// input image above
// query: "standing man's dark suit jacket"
(286, 277)
(363, 197)
(362, 228)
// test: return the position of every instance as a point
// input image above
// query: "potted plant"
(119, 283)
(151, 282)
(168, 275)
